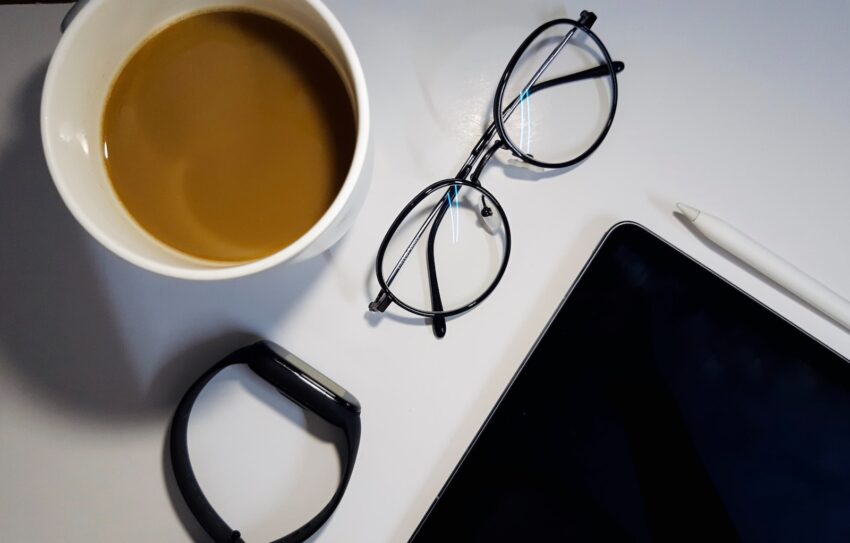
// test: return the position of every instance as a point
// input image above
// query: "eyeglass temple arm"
(382, 302)
(599, 71)
(438, 323)
(591, 73)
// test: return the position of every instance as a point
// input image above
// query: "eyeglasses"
(468, 238)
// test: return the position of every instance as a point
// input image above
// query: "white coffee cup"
(94, 47)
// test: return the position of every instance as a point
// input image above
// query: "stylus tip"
(690, 212)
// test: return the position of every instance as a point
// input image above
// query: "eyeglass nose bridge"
(485, 158)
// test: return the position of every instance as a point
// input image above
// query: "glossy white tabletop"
(740, 109)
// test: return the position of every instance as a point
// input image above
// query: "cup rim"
(223, 271)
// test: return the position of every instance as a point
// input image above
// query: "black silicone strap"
(207, 517)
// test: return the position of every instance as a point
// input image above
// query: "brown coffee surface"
(227, 135)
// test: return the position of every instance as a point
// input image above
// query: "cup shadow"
(82, 329)
(56, 327)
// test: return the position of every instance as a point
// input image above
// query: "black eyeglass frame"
(446, 183)
(503, 82)
(478, 154)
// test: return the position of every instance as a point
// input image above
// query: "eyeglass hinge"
(381, 303)
(587, 18)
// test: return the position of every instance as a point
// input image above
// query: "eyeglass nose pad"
(514, 160)
(492, 220)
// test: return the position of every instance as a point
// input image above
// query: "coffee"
(227, 135)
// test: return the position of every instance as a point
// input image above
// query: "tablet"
(661, 403)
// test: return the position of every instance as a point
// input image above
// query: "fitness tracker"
(299, 382)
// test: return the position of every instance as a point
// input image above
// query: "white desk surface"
(739, 108)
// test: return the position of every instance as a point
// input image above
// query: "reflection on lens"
(468, 237)
(558, 123)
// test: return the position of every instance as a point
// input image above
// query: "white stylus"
(771, 266)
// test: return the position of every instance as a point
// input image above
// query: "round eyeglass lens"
(468, 237)
(559, 123)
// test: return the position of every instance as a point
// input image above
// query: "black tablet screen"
(662, 404)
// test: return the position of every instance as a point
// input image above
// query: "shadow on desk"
(54, 326)
(111, 356)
